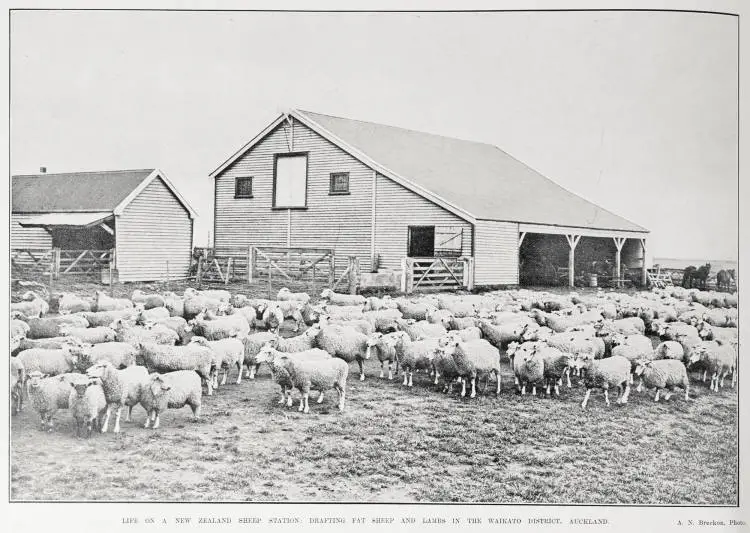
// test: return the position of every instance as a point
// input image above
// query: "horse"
(724, 279)
(687, 277)
(701, 275)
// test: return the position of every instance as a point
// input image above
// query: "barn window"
(290, 180)
(339, 183)
(243, 187)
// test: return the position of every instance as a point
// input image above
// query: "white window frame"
(289, 202)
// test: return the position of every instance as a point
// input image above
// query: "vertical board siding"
(153, 229)
(396, 209)
(496, 249)
(340, 222)
(21, 237)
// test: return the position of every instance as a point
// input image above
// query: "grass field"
(395, 444)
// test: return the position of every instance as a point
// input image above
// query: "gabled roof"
(473, 180)
(81, 192)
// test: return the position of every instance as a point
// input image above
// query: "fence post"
(199, 271)
(332, 273)
(407, 275)
(270, 286)
(167, 276)
(229, 270)
(56, 262)
(111, 272)
(353, 274)
(469, 273)
(250, 263)
(313, 279)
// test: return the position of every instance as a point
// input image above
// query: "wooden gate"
(31, 262)
(221, 265)
(314, 265)
(437, 273)
(83, 262)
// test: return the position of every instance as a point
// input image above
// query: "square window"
(243, 187)
(339, 183)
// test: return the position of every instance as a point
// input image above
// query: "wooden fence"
(221, 265)
(27, 263)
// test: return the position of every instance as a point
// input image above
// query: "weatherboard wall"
(154, 234)
(32, 238)
(496, 253)
(340, 222)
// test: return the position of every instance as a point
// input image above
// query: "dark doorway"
(421, 241)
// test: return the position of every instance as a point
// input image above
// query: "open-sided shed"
(134, 219)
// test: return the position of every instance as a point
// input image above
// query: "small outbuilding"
(415, 202)
(134, 221)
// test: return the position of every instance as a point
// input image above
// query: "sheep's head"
(200, 341)
(512, 349)
(34, 378)
(158, 386)
(327, 293)
(190, 291)
(696, 355)
(99, 369)
(80, 385)
(267, 353)
(283, 291)
(641, 365)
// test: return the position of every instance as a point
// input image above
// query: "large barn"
(383, 193)
(137, 214)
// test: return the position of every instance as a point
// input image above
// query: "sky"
(636, 112)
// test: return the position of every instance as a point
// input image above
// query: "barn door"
(421, 241)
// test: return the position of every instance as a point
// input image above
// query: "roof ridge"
(83, 172)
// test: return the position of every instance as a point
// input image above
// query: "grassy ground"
(392, 444)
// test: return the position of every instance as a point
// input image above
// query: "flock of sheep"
(95, 356)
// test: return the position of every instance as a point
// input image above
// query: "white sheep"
(502, 335)
(120, 354)
(97, 335)
(453, 323)
(376, 304)
(221, 328)
(105, 318)
(335, 298)
(363, 325)
(386, 347)
(319, 374)
(48, 362)
(437, 316)
(102, 302)
(174, 304)
(663, 374)
(31, 306)
(345, 343)
(384, 320)
(195, 356)
(49, 394)
(342, 312)
(423, 329)
(669, 350)
(125, 331)
(154, 314)
(719, 359)
(272, 318)
(415, 355)
(556, 366)
(87, 404)
(300, 343)
(725, 334)
(604, 374)
(214, 294)
(172, 390)
(194, 304)
(149, 301)
(230, 353)
(473, 360)
(42, 328)
(121, 388)
(286, 294)
(70, 303)
(276, 360)
(416, 310)
(528, 365)
(252, 345)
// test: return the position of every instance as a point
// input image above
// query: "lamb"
(154, 314)
(286, 294)
(48, 362)
(195, 356)
(120, 354)
(501, 336)
(415, 355)
(105, 318)
(663, 374)
(149, 301)
(556, 366)
(32, 306)
(321, 374)
(48, 394)
(444, 365)
(121, 388)
(363, 325)
(528, 365)
(415, 310)
(720, 360)
(97, 335)
(174, 304)
(604, 374)
(345, 343)
(277, 362)
(230, 352)
(221, 328)
(252, 345)
(41, 328)
(669, 350)
(386, 347)
(385, 320)
(335, 298)
(70, 303)
(87, 404)
(172, 390)
(473, 360)
(17, 378)
(102, 302)
(157, 333)
(300, 343)
(423, 329)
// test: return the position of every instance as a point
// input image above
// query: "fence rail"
(437, 273)
(57, 262)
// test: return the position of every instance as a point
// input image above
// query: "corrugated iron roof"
(66, 219)
(74, 191)
(478, 178)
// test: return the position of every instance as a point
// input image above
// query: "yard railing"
(29, 263)
(437, 273)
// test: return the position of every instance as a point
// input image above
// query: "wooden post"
(111, 272)
(332, 273)
(468, 279)
(229, 270)
(250, 263)
(51, 267)
(167, 274)
(353, 274)
(199, 271)
(644, 275)
(55, 266)
(521, 237)
(313, 279)
(572, 243)
(270, 287)
(407, 277)
(619, 243)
